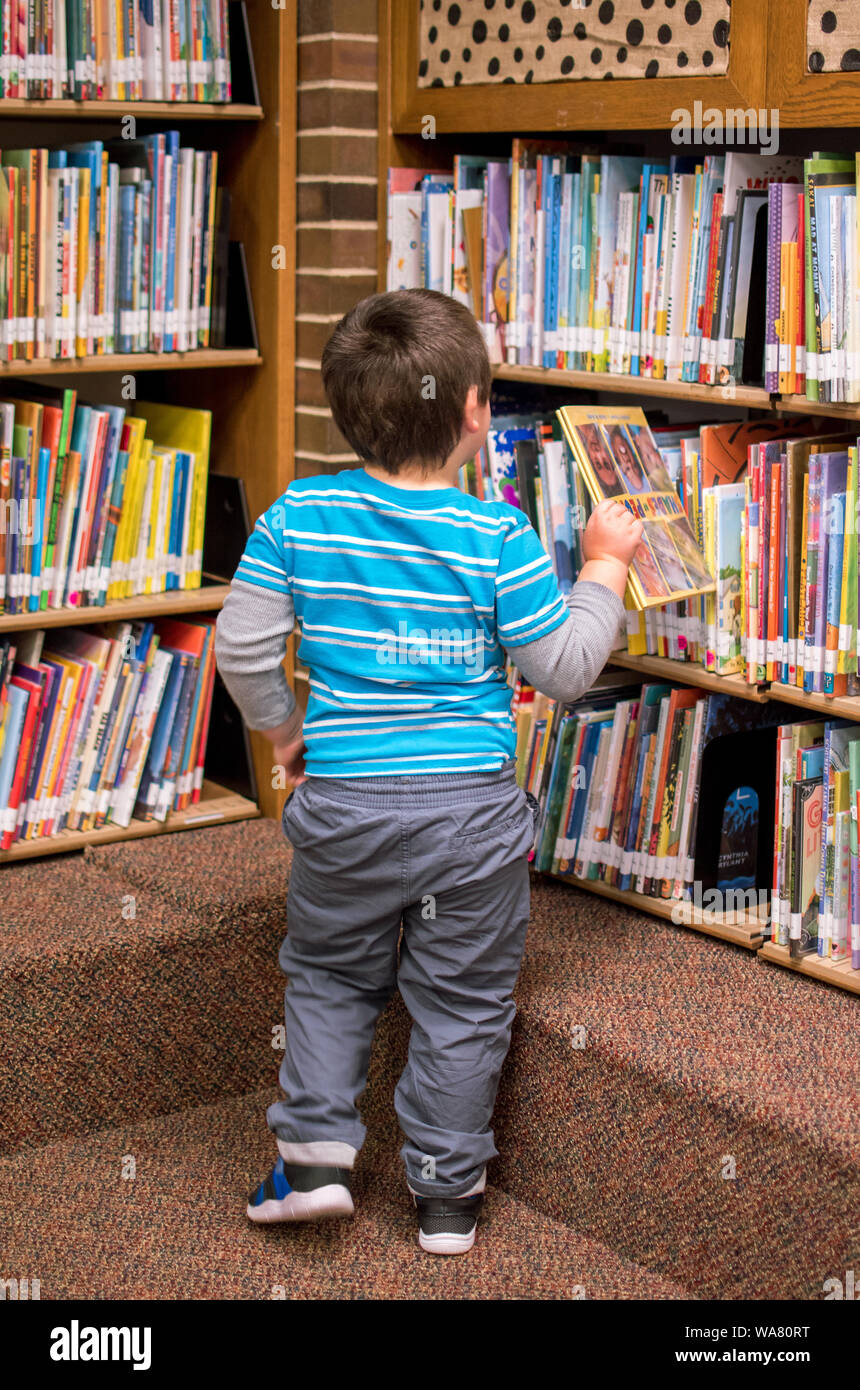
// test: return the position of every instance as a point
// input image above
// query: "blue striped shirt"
(406, 600)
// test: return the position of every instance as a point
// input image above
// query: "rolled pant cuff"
(469, 1188)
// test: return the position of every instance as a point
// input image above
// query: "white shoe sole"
(446, 1244)
(330, 1201)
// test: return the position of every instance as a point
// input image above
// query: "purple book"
(774, 246)
(496, 279)
(834, 476)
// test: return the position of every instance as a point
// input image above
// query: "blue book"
(110, 454)
(37, 529)
(575, 256)
(164, 722)
(835, 545)
(16, 709)
(125, 288)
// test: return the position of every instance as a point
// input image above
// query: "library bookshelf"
(767, 68)
(250, 391)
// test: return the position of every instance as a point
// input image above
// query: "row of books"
(728, 268)
(816, 879)
(772, 517)
(107, 247)
(621, 777)
(617, 777)
(143, 50)
(97, 726)
(97, 505)
(781, 539)
(556, 470)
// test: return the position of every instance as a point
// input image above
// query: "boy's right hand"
(613, 533)
(291, 757)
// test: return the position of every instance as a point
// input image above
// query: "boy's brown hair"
(397, 370)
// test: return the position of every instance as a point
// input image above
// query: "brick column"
(336, 202)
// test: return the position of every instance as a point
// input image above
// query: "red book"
(26, 748)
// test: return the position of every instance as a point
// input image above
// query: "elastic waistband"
(433, 788)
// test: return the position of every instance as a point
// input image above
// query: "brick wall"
(336, 202)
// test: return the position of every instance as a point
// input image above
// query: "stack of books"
(102, 724)
(816, 876)
(90, 50)
(618, 778)
(712, 269)
(107, 248)
(96, 505)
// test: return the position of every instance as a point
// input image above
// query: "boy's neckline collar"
(407, 494)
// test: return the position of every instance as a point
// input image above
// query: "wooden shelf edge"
(690, 673)
(838, 973)
(749, 397)
(743, 931)
(217, 806)
(209, 597)
(834, 706)
(67, 109)
(134, 362)
(752, 396)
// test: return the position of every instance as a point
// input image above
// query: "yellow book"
(180, 427)
(149, 576)
(99, 344)
(132, 524)
(782, 315)
(710, 599)
(140, 533)
(637, 640)
(83, 324)
(45, 809)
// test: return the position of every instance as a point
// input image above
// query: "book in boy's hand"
(617, 458)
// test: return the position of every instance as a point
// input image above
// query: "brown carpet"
(705, 1135)
(179, 1229)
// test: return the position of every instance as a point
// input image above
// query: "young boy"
(405, 810)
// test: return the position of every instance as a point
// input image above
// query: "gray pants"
(446, 857)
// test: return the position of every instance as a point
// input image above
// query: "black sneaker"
(447, 1225)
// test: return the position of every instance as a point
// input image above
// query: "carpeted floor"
(675, 1118)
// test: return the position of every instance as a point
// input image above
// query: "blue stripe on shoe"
(282, 1187)
(272, 1188)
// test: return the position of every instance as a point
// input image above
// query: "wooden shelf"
(831, 972)
(208, 598)
(741, 397)
(133, 362)
(799, 405)
(750, 396)
(834, 706)
(741, 929)
(691, 673)
(68, 110)
(217, 805)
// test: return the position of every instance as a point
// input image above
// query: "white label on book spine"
(784, 358)
(845, 632)
(800, 360)
(771, 357)
(795, 926)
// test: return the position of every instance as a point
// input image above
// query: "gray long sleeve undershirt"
(253, 626)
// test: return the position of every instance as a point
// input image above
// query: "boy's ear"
(471, 412)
